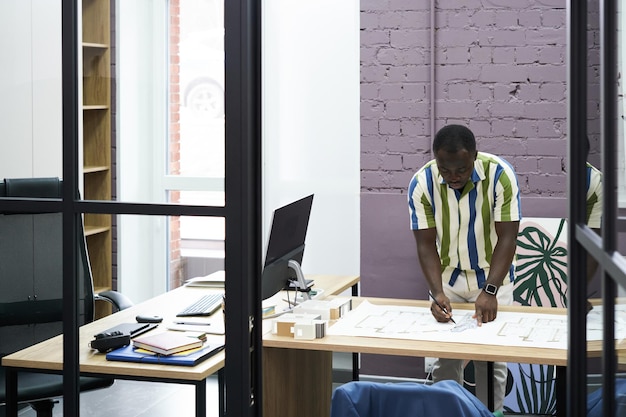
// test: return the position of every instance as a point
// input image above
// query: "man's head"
(455, 152)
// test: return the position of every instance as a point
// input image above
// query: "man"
(465, 210)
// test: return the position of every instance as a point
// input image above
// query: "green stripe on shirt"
(445, 222)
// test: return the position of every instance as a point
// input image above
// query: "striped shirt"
(465, 220)
(594, 197)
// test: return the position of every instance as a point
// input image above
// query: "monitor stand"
(299, 279)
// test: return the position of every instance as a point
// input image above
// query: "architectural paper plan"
(509, 329)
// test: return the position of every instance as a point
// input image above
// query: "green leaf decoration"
(535, 393)
(541, 281)
(541, 267)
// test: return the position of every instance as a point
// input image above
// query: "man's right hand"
(437, 310)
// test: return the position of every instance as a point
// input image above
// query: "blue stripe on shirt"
(471, 232)
(454, 276)
(429, 183)
(412, 186)
(431, 193)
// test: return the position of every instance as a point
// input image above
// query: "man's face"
(455, 167)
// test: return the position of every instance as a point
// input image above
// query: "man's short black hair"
(453, 138)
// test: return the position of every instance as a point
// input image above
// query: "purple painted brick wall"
(497, 66)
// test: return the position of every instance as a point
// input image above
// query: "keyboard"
(204, 306)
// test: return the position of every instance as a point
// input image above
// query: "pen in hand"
(440, 306)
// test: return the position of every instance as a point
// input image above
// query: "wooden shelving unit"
(96, 112)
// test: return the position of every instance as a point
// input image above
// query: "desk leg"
(201, 398)
(296, 382)
(221, 392)
(490, 386)
(561, 391)
(11, 392)
(355, 356)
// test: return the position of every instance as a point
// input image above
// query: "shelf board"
(95, 107)
(94, 230)
(95, 45)
(95, 168)
(98, 290)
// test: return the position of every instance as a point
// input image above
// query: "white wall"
(31, 89)
(311, 124)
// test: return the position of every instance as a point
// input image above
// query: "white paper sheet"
(509, 329)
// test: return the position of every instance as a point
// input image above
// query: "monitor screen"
(286, 242)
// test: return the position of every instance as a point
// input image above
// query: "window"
(170, 135)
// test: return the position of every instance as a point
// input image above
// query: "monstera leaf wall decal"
(541, 281)
(542, 264)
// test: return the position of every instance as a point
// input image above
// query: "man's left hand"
(486, 308)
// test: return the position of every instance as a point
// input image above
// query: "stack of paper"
(214, 280)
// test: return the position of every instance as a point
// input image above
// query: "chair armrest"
(119, 301)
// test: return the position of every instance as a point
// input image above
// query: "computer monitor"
(285, 247)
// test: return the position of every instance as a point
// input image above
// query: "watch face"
(491, 289)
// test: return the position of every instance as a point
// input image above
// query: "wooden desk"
(297, 374)
(48, 355)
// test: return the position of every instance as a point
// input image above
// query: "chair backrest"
(376, 399)
(31, 269)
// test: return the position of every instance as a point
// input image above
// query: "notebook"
(167, 343)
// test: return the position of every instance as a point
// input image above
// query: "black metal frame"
(583, 240)
(242, 44)
(242, 210)
(577, 128)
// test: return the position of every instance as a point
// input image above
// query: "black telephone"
(107, 341)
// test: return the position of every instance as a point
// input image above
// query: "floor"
(152, 399)
(141, 399)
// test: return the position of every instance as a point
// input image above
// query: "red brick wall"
(174, 144)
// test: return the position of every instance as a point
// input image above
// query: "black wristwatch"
(490, 289)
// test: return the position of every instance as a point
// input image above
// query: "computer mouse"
(148, 319)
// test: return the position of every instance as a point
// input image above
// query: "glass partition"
(168, 118)
(151, 115)
(169, 107)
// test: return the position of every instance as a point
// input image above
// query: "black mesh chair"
(31, 287)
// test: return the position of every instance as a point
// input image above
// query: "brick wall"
(497, 66)
(176, 276)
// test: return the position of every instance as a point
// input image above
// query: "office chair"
(31, 289)
(401, 399)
